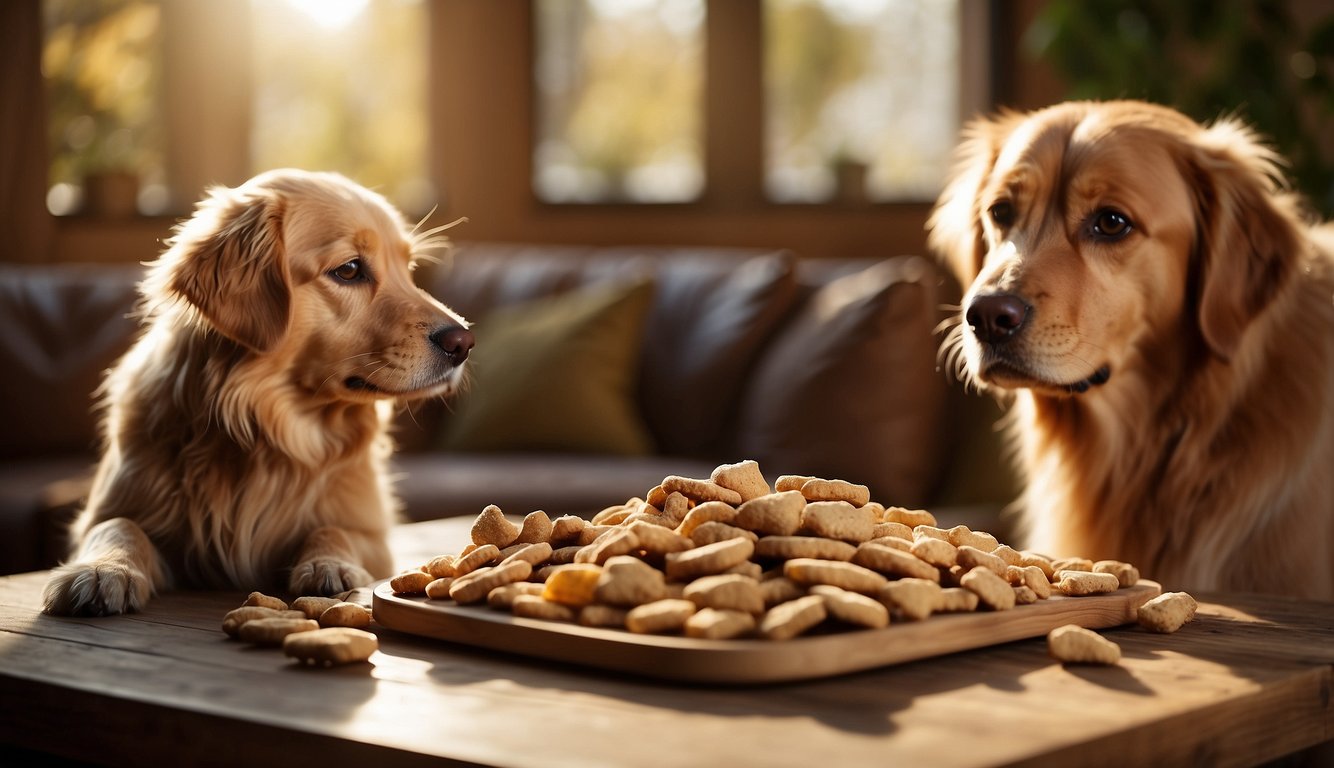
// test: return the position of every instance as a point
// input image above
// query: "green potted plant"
(1269, 62)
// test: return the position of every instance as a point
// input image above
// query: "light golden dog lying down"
(1162, 316)
(245, 441)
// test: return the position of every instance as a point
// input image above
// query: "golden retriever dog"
(245, 432)
(1160, 314)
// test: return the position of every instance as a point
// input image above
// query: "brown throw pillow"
(705, 331)
(848, 388)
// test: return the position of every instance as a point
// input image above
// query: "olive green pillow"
(556, 374)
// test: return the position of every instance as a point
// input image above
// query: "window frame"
(734, 110)
(483, 129)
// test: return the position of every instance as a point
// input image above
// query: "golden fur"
(1160, 314)
(245, 441)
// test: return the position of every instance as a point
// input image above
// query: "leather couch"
(598, 371)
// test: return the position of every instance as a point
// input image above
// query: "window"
(863, 98)
(341, 85)
(328, 85)
(619, 100)
(811, 101)
(102, 63)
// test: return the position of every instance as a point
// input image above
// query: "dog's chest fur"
(1204, 480)
(228, 469)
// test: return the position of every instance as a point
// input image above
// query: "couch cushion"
(849, 389)
(712, 310)
(557, 374)
(709, 321)
(432, 485)
(479, 277)
(63, 327)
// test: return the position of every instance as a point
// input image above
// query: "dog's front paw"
(96, 589)
(327, 576)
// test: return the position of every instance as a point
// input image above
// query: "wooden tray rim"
(748, 661)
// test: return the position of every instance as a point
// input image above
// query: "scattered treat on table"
(1073, 644)
(271, 631)
(331, 646)
(1167, 612)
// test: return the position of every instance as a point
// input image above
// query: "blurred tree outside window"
(102, 63)
(340, 85)
(619, 100)
(337, 85)
(862, 98)
(1269, 62)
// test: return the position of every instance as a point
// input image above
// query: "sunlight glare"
(331, 14)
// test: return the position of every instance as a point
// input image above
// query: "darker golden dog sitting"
(1161, 314)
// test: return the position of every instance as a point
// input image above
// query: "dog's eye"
(1002, 213)
(1110, 225)
(350, 272)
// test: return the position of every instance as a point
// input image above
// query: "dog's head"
(313, 273)
(1085, 232)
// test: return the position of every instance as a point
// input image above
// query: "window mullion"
(734, 104)
(206, 95)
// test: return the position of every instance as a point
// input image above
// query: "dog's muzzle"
(996, 319)
(454, 343)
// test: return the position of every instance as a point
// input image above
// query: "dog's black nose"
(995, 317)
(455, 341)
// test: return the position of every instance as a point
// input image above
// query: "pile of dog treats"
(732, 557)
(320, 631)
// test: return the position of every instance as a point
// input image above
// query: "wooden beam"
(24, 153)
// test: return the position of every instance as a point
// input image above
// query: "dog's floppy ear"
(228, 262)
(955, 226)
(1249, 236)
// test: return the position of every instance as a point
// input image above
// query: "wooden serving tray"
(679, 658)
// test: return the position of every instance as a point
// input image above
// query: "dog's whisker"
(1091, 345)
(360, 366)
(424, 219)
(335, 374)
(422, 236)
(370, 374)
(950, 355)
(431, 243)
(431, 258)
(370, 363)
(412, 415)
(320, 388)
(949, 323)
(431, 239)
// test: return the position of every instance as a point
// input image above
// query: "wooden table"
(1250, 680)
